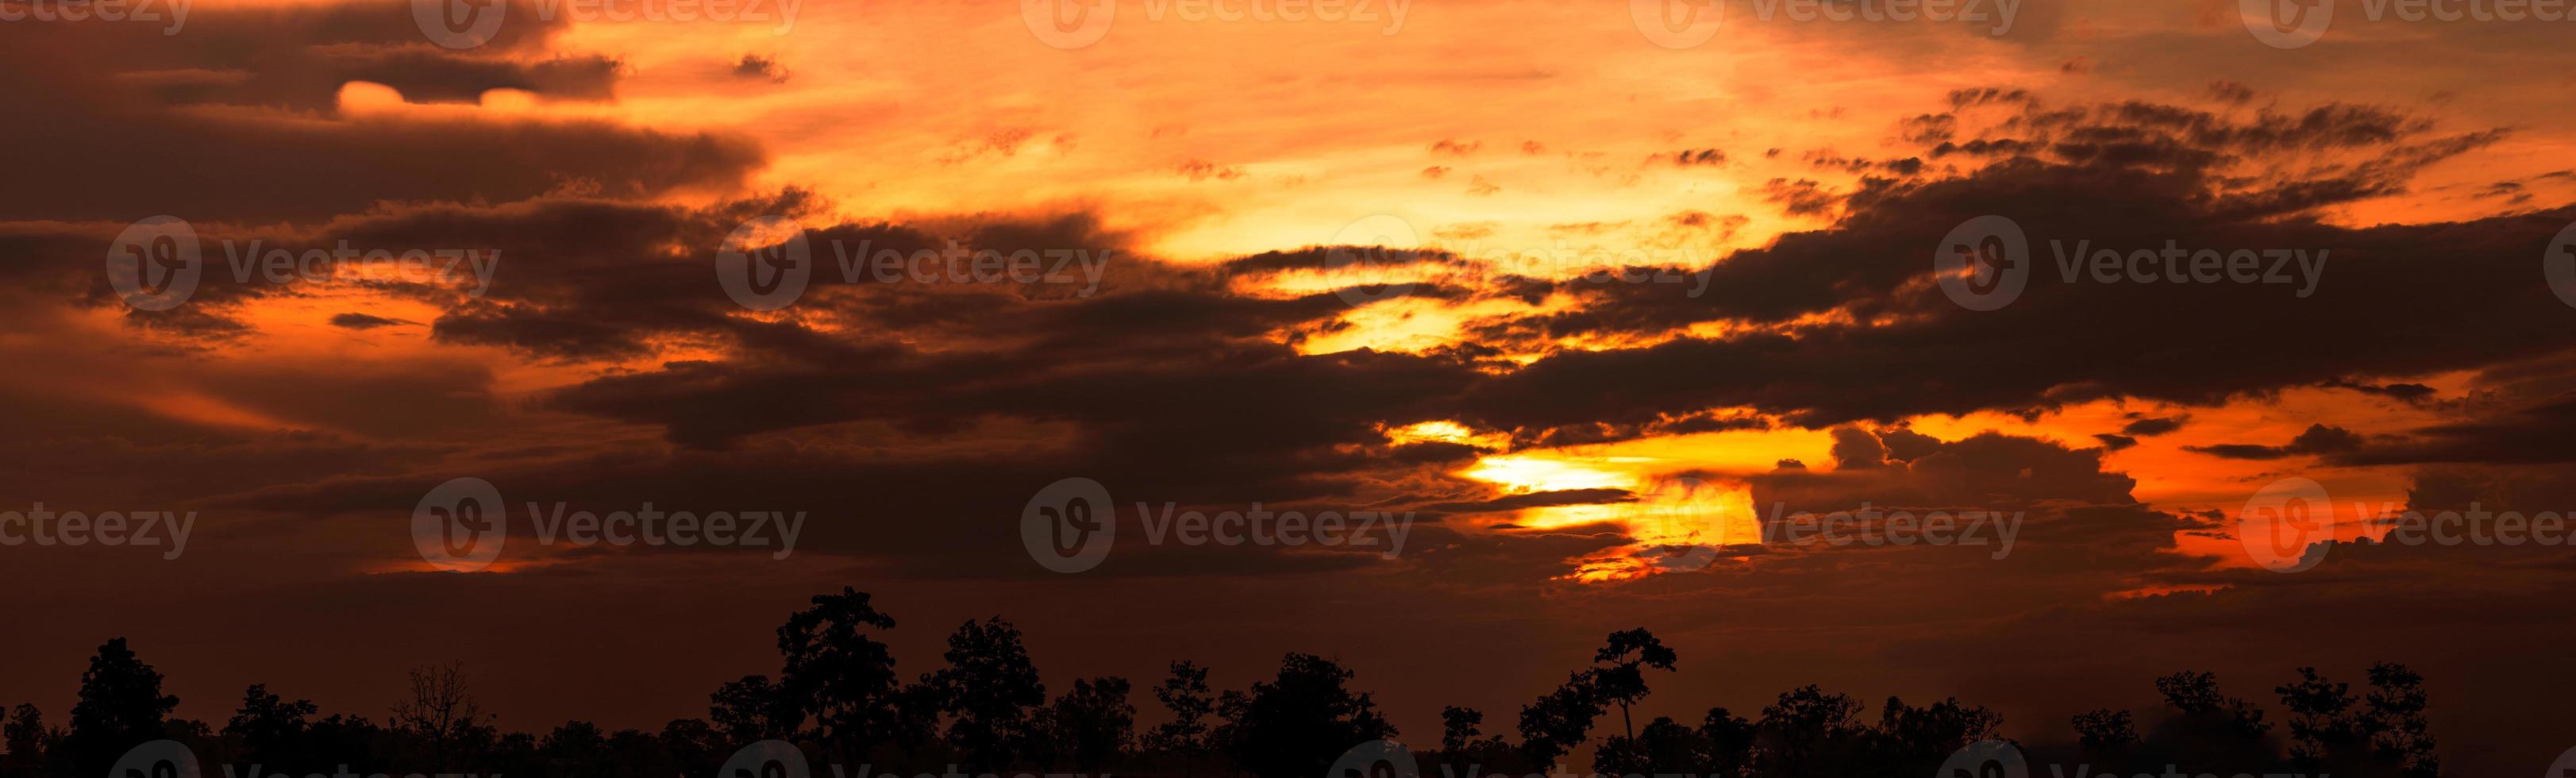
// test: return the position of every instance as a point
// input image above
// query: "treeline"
(838, 697)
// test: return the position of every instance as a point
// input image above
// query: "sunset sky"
(1221, 206)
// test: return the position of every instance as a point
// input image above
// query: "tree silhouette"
(1559, 720)
(1621, 676)
(753, 709)
(273, 731)
(989, 686)
(695, 747)
(2104, 730)
(442, 711)
(1809, 732)
(2322, 724)
(1092, 725)
(2400, 734)
(987, 707)
(1458, 727)
(1730, 741)
(1915, 741)
(1185, 694)
(837, 674)
(121, 706)
(25, 736)
(1294, 726)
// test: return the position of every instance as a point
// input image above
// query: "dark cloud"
(2318, 439)
(234, 120)
(2153, 425)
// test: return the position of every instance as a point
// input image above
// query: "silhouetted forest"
(839, 698)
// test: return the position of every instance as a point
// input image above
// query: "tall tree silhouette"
(25, 736)
(989, 686)
(1185, 694)
(1296, 725)
(2400, 734)
(1621, 675)
(837, 674)
(442, 712)
(121, 706)
(2322, 723)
